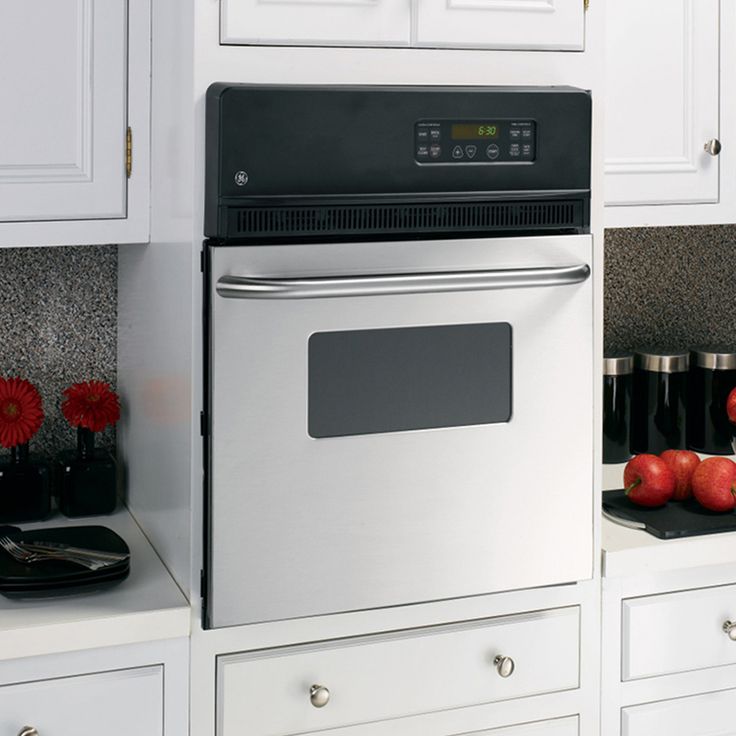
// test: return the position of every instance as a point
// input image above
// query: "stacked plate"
(60, 575)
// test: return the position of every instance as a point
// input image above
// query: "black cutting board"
(675, 519)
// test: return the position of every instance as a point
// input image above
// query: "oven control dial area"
(500, 141)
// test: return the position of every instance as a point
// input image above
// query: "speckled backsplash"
(670, 287)
(58, 325)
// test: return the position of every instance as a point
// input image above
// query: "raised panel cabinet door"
(662, 102)
(121, 703)
(316, 22)
(63, 117)
(711, 714)
(501, 24)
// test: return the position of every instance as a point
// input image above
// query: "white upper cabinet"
(493, 24)
(662, 102)
(501, 24)
(65, 117)
(316, 22)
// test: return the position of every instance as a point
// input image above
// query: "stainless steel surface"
(319, 696)
(618, 365)
(713, 360)
(661, 362)
(729, 627)
(713, 147)
(628, 523)
(243, 287)
(504, 665)
(373, 509)
(29, 556)
(28, 731)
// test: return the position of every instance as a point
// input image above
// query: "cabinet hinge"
(586, 4)
(129, 152)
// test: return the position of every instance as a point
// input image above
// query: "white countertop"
(146, 606)
(636, 552)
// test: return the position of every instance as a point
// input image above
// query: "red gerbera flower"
(21, 411)
(92, 405)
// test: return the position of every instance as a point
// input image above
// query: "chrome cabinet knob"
(713, 147)
(730, 628)
(504, 665)
(28, 731)
(319, 696)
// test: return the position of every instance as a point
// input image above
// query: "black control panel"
(486, 141)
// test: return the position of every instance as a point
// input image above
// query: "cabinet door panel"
(62, 141)
(316, 22)
(662, 61)
(501, 24)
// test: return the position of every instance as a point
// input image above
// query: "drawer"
(118, 703)
(393, 675)
(556, 727)
(677, 632)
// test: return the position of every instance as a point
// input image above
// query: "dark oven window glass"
(370, 381)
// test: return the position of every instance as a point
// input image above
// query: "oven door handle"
(245, 287)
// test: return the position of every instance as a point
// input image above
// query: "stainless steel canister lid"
(618, 365)
(661, 361)
(713, 359)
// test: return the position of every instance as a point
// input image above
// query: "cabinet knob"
(713, 147)
(28, 731)
(504, 665)
(730, 628)
(319, 696)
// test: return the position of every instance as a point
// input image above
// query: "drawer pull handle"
(28, 731)
(319, 696)
(504, 665)
(730, 628)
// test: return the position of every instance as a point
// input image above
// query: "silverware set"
(29, 552)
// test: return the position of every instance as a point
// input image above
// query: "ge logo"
(241, 178)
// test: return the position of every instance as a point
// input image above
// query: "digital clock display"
(473, 131)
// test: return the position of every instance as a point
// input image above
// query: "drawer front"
(677, 632)
(119, 703)
(711, 714)
(556, 727)
(399, 674)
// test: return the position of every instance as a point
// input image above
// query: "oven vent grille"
(387, 219)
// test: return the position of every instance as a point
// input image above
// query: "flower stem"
(85, 443)
(19, 454)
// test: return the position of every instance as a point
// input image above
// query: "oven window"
(370, 381)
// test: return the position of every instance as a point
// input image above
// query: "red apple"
(714, 484)
(648, 480)
(731, 406)
(682, 463)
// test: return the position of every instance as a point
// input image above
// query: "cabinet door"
(711, 714)
(662, 101)
(63, 127)
(316, 22)
(501, 24)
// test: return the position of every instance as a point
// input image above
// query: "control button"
(435, 151)
(514, 133)
(470, 151)
(514, 150)
(422, 151)
(526, 133)
(526, 150)
(422, 134)
(457, 152)
(434, 134)
(493, 151)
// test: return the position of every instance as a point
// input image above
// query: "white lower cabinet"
(367, 679)
(119, 703)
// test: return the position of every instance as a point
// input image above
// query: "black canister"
(659, 401)
(617, 379)
(712, 376)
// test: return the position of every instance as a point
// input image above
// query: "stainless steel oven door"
(384, 433)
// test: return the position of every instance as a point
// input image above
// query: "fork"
(27, 557)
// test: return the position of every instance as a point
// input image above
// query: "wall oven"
(399, 339)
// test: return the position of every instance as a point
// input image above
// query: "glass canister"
(659, 401)
(617, 380)
(712, 376)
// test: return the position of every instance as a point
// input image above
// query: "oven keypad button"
(493, 151)
(470, 151)
(422, 151)
(435, 151)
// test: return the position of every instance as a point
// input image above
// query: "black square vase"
(25, 491)
(87, 486)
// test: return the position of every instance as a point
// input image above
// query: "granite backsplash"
(58, 325)
(670, 287)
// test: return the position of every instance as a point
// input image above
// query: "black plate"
(53, 575)
(675, 519)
